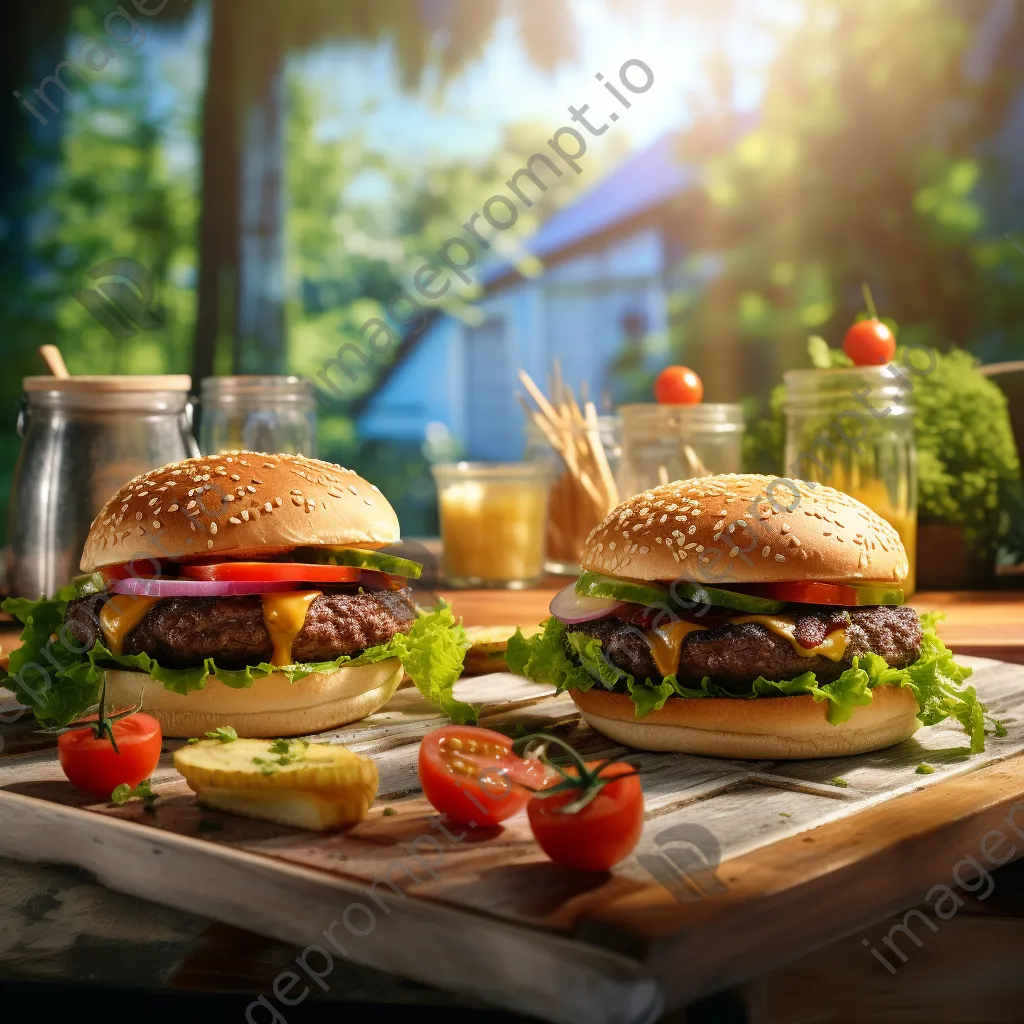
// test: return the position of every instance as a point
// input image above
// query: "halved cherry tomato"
(300, 572)
(813, 592)
(870, 343)
(678, 385)
(92, 765)
(600, 834)
(472, 776)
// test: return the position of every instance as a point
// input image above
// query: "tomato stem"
(588, 781)
(103, 725)
(868, 299)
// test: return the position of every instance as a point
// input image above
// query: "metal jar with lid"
(257, 414)
(83, 438)
(662, 443)
(853, 429)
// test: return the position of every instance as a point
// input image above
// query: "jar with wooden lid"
(82, 439)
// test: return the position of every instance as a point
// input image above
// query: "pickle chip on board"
(489, 643)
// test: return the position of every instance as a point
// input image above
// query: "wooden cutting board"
(742, 865)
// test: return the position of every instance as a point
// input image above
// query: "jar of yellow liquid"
(493, 522)
(853, 429)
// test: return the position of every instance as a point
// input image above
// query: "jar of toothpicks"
(584, 447)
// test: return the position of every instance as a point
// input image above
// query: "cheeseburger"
(238, 589)
(743, 616)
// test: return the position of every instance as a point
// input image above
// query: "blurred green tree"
(866, 162)
(242, 230)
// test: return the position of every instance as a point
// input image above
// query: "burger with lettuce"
(729, 616)
(238, 588)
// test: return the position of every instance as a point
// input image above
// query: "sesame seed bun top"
(736, 529)
(238, 504)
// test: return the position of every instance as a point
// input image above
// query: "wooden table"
(885, 857)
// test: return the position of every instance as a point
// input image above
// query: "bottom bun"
(272, 707)
(771, 728)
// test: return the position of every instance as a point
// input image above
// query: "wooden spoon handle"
(54, 360)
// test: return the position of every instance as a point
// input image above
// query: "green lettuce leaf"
(935, 679)
(51, 673)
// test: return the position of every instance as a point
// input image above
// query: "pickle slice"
(593, 584)
(681, 593)
(728, 599)
(379, 560)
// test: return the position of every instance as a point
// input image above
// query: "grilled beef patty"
(732, 653)
(180, 632)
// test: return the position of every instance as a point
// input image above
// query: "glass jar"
(493, 518)
(570, 517)
(82, 439)
(257, 414)
(662, 443)
(853, 429)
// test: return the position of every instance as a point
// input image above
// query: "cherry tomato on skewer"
(678, 385)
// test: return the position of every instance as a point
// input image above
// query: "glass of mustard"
(493, 522)
(853, 429)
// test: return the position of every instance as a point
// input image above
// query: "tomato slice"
(472, 776)
(814, 592)
(140, 568)
(93, 765)
(251, 572)
(599, 835)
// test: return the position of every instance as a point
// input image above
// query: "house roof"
(641, 183)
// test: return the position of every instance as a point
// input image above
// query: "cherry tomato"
(678, 385)
(258, 572)
(601, 834)
(870, 343)
(813, 592)
(92, 764)
(472, 775)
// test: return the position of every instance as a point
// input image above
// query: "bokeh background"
(280, 170)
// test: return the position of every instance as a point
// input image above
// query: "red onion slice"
(569, 607)
(138, 587)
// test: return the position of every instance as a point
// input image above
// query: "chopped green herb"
(260, 760)
(841, 783)
(268, 769)
(785, 814)
(925, 769)
(145, 790)
(123, 793)
(285, 760)
(280, 746)
(194, 739)
(224, 733)
(209, 825)
(389, 812)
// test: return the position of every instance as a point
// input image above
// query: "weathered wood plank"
(787, 898)
(569, 980)
(492, 880)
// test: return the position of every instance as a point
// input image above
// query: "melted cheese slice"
(119, 616)
(284, 615)
(832, 647)
(667, 643)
